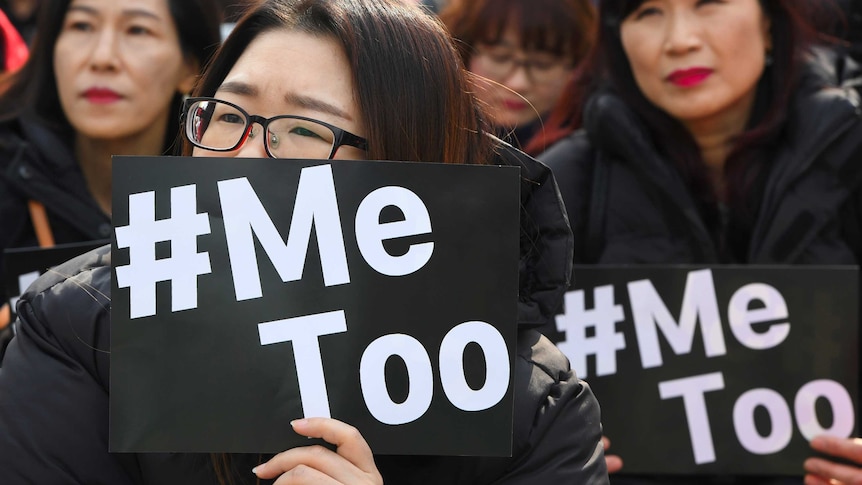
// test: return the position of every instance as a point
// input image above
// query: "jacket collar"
(616, 131)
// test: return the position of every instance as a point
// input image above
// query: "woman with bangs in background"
(523, 53)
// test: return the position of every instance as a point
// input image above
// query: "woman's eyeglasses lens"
(216, 125)
(501, 64)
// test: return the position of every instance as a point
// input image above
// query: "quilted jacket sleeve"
(54, 382)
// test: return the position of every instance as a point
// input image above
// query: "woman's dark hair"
(412, 89)
(607, 67)
(561, 27)
(33, 89)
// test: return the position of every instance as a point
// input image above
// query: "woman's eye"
(703, 2)
(231, 118)
(302, 131)
(500, 58)
(646, 12)
(542, 65)
(80, 26)
(139, 30)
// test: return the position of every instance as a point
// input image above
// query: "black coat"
(628, 204)
(54, 382)
(37, 164)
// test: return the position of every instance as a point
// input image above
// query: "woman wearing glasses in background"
(104, 77)
(523, 52)
(254, 101)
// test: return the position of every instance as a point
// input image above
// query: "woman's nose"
(682, 33)
(254, 145)
(104, 53)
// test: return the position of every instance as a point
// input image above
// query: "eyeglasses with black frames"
(220, 126)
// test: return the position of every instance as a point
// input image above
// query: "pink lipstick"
(686, 78)
(101, 95)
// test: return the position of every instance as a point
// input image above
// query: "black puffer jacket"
(627, 204)
(54, 383)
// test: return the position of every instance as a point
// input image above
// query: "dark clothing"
(36, 164)
(54, 383)
(629, 205)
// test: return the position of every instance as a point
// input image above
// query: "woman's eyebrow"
(134, 12)
(316, 104)
(302, 101)
(236, 87)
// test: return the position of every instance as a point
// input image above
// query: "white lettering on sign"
(181, 268)
(304, 333)
(602, 319)
(315, 205)
(781, 429)
(420, 375)
(650, 315)
(692, 390)
(741, 318)
(843, 411)
(698, 304)
(373, 379)
(370, 233)
(452, 366)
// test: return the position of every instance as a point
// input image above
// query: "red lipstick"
(101, 95)
(514, 105)
(686, 78)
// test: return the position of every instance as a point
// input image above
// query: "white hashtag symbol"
(605, 341)
(181, 268)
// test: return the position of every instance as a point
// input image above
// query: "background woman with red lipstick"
(695, 109)
(105, 77)
(523, 52)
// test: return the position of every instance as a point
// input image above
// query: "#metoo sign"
(249, 293)
(716, 370)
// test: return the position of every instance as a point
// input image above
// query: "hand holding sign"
(822, 471)
(351, 462)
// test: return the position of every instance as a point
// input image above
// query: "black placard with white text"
(248, 293)
(715, 370)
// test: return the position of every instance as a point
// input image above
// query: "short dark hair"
(33, 89)
(411, 86)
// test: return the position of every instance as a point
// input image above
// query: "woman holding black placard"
(713, 133)
(354, 77)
